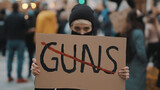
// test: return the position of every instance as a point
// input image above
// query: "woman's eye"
(77, 28)
(86, 28)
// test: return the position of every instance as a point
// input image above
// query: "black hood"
(81, 11)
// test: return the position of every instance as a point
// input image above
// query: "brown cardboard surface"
(88, 79)
(118, 20)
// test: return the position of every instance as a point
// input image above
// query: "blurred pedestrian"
(152, 37)
(30, 37)
(155, 2)
(63, 19)
(15, 26)
(37, 9)
(136, 54)
(157, 63)
(106, 23)
(46, 21)
(2, 32)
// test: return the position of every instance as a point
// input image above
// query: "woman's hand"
(34, 68)
(124, 73)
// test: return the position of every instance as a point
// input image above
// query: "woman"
(81, 22)
(152, 37)
(138, 60)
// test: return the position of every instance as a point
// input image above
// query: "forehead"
(81, 22)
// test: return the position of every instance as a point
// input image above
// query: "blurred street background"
(13, 85)
(21, 19)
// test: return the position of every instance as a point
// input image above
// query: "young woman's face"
(81, 26)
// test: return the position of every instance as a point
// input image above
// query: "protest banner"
(80, 62)
(119, 20)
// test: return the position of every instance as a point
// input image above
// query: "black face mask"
(75, 33)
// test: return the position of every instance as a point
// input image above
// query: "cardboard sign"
(80, 62)
(118, 20)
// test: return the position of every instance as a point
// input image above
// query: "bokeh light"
(33, 5)
(24, 6)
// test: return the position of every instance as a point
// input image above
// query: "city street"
(5, 85)
(119, 40)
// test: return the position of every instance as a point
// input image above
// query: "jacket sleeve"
(138, 40)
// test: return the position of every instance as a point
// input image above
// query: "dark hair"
(132, 22)
(150, 12)
(2, 14)
(151, 20)
(15, 7)
(3, 11)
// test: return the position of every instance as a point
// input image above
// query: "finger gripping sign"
(80, 62)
